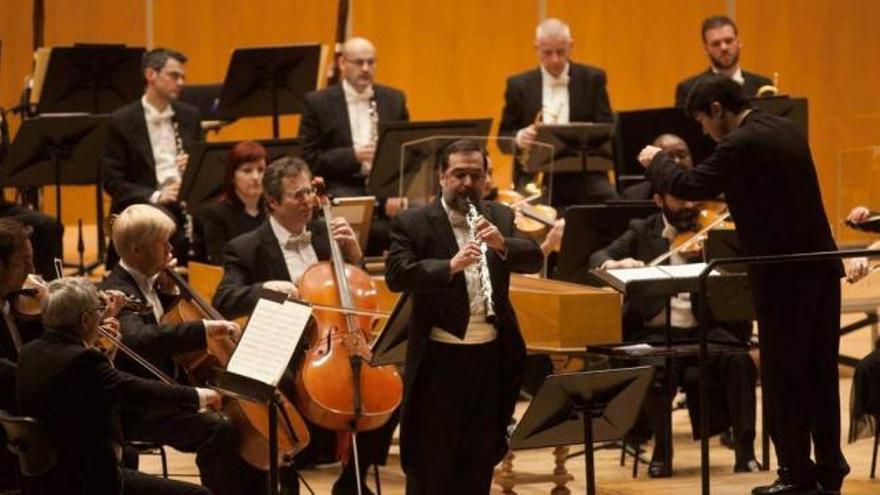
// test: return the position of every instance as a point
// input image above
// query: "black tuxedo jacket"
(751, 84)
(219, 222)
(158, 342)
(588, 99)
(128, 167)
(325, 133)
(422, 243)
(253, 258)
(76, 392)
(765, 171)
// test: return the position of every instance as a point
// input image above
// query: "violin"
(689, 244)
(251, 419)
(533, 221)
(337, 388)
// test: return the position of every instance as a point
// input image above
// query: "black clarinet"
(187, 218)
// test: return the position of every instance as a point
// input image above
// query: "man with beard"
(763, 161)
(721, 43)
(465, 353)
(644, 320)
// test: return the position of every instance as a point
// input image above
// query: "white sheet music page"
(627, 275)
(271, 335)
(690, 270)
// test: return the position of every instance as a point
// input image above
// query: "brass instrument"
(768, 90)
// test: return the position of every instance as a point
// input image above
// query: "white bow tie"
(159, 118)
(295, 241)
(559, 82)
(362, 97)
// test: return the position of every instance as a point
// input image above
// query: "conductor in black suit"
(561, 91)
(465, 353)
(721, 44)
(145, 158)
(338, 131)
(75, 391)
(762, 162)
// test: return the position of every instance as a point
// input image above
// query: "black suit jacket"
(422, 243)
(325, 133)
(588, 99)
(218, 223)
(765, 171)
(76, 392)
(253, 258)
(128, 167)
(158, 342)
(751, 84)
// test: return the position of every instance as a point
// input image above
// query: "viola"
(689, 244)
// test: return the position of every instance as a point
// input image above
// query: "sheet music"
(690, 270)
(271, 335)
(627, 275)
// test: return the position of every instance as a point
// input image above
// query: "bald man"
(677, 149)
(563, 91)
(337, 131)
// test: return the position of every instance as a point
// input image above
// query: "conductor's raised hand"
(647, 154)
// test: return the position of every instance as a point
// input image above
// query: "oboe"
(483, 265)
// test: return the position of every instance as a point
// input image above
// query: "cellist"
(141, 235)
(274, 256)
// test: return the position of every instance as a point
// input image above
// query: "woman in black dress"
(240, 208)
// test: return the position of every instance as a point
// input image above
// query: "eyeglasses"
(301, 193)
(360, 62)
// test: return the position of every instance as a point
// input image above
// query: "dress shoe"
(657, 469)
(780, 487)
(347, 484)
(749, 466)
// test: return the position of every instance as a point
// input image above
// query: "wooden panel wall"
(825, 50)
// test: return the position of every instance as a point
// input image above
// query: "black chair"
(31, 442)
(151, 448)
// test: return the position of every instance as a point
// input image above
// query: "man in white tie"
(558, 92)
(146, 148)
(338, 131)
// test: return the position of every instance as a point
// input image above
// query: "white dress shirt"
(737, 76)
(359, 118)
(555, 97)
(479, 331)
(147, 285)
(160, 128)
(299, 255)
(680, 304)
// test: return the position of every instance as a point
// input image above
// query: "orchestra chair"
(151, 448)
(29, 439)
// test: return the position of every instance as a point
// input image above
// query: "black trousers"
(137, 483)
(210, 435)
(800, 337)
(454, 407)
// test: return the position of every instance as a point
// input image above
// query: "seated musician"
(644, 320)
(865, 402)
(145, 155)
(274, 256)
(141, 234)
(677, 149)
(76, 392)
(239, 209)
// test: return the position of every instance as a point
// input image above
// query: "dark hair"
(715, 22)
(715, 87)
(157, 58)
(279, 170)
(462, 146)
(241, 153)
(12, 235)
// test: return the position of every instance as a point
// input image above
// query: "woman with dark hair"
(241, 208)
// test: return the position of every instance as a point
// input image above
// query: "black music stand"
(269, 80)
(793, 109)
(589, 228)
(203, 178)
(588, 407)
(403, 148)
(390, 345)
(91, 79)
(56, 150)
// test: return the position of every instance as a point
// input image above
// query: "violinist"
(141, 235)
(76, 393)
(465, 353)
(644, 320)
(274, 256)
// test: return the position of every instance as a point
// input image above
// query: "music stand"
(56, 150)
(269, 80)
(90, 79)
(390, 345)
(588, 407)
(358, 212)
(589, 228)
(398, 163)
(202, 180)
(793, 109)
(635, 129)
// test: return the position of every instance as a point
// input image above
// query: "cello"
(336, 386)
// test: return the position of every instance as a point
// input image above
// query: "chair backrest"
(30, 440)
